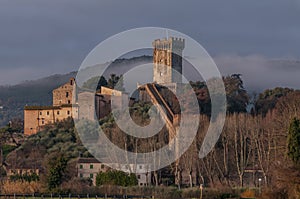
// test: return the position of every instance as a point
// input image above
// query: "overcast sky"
(40, 38)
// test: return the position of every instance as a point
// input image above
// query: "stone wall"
(64, 94)
(103, 105)
(100, 108)
(30, 122)
(37, 117)
(86, 109)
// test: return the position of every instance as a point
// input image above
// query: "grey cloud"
(260, 73)
(55, 36)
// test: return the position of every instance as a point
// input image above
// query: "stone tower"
(167, 55)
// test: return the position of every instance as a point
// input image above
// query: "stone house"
(64, 106)
(90, 167)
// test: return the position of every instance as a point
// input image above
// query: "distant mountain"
(118, 67)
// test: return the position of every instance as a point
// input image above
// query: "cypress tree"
(294, 141)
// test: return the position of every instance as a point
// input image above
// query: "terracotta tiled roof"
(88, 160)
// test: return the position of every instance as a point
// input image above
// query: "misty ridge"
(258, 74)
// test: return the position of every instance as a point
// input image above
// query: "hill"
(60, 137)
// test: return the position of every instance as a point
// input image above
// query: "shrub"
(118, 178)
(21, 187)
(25, 177)
(248, 194)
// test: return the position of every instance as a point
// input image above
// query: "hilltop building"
(167, 58)
(64, 94)
(65, 104)
(35, 117)
(167, 71)
(167, 74)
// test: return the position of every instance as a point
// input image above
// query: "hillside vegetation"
(58, 138)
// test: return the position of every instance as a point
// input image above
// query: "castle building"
(167, 65)
(35, 117)
(167, 71)
(167, 58)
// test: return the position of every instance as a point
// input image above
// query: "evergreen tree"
(57, 166)
(294, 141)
(115, 82)
(95, 83)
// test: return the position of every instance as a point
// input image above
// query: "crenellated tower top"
(167, 56)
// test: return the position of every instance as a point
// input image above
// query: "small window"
(41, 113)
(139, 176)
(68, 112)
(81, 166)
(48, 113)
(102, 166)
(141, 166)
(67, 94)
(57, 112)
(71, 82)
(43, 122)
(91, 175)
(81, 175)
(69, 102)
(91, 166)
